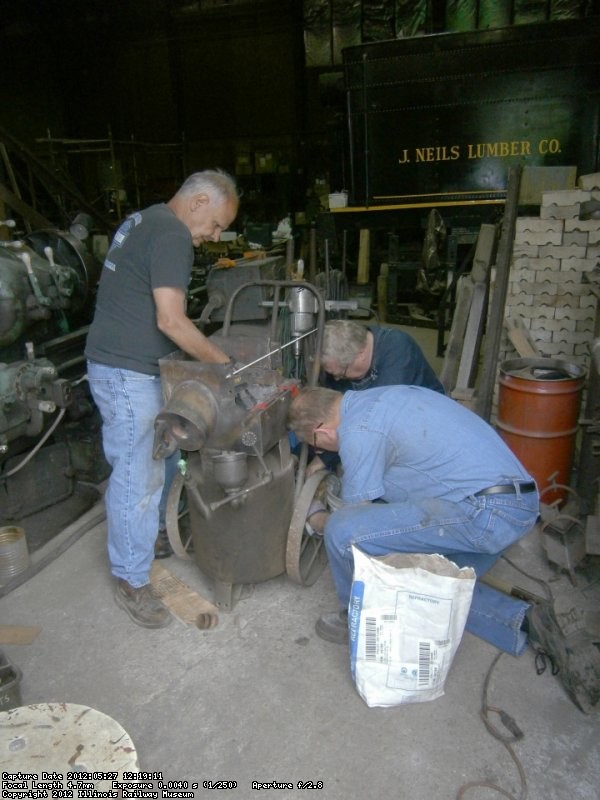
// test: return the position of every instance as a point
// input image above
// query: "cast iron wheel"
(178, 519)
(305, 555)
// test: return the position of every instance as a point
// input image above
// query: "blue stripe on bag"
(354, 609)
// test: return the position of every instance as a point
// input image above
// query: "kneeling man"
(421, 474)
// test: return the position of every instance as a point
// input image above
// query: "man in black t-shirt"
(140, 317)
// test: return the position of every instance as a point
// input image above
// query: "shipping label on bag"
(407, 614)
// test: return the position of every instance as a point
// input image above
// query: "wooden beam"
(29, 214)
(485, 390)
(364, 247)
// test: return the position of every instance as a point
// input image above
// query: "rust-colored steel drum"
(538, 408)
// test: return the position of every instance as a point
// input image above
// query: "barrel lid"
(542, 369)
(65, 737)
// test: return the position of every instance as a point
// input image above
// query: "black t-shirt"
(152, 248)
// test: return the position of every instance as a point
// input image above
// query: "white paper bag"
(407, 614)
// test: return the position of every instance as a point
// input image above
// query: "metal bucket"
(538, 408)
(10, 684)
(14, 553)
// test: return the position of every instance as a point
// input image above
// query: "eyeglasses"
(314, 441)
(339, 376)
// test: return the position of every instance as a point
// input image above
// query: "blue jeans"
(472, 533)
(128, 402)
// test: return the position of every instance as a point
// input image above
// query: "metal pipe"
(312, 254)
(192, 488)
(365, 129)
(241, 494)
(289, 258)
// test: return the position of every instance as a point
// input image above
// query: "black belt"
(507, 488)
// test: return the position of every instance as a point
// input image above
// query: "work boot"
(571, 653)
(162, 546)
(142, 605)
(333, 627)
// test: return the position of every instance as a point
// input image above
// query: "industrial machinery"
(47, 281)
(246, 500)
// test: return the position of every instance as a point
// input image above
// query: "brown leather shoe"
(142, 605)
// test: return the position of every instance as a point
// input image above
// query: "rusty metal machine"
(243, 519)
(47, 282)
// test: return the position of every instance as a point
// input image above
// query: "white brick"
(572, 313)
(589, 181)
(582, 225)
(560, 212)
(588, 301)
(593, 252)
(542, 324)
(556, 349)
(525, 311)
(543, 310)
(516, 300)
(576, 237)
(543, 336)
(523, 274)
(559, 275)
(594, 237)
(572, 251)
(538, 238)
(543, 287)
(537, 225)
(580, 338)
(555, 300)
(586, 325)
(544, 263)
(577, 264)
(570, 288)
(565, 197)
(522, 250)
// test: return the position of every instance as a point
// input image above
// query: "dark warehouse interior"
(424, 168)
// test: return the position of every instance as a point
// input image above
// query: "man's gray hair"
(310, 408)
(343, 339)
(214, 182)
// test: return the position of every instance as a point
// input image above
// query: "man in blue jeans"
(140, 317)
(445, 481)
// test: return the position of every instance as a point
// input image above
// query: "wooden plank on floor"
(18, 634)
(185, 604)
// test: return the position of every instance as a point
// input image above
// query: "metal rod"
(277, 350)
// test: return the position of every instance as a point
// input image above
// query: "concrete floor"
(262, 698)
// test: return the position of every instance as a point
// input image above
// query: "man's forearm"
(192, 341)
